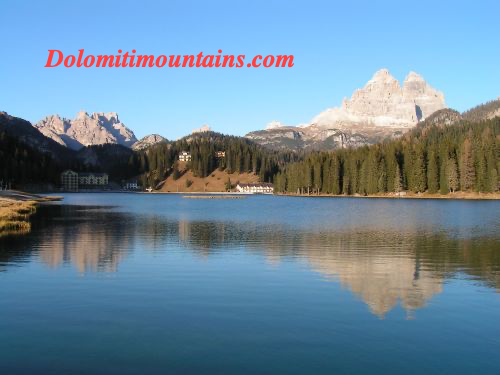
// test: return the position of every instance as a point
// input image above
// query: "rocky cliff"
(148, 141)
(87, 130)
(382, 108)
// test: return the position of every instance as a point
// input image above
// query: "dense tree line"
(463, 156)
(20, 164)
(241, 155)
(113, 159)
(432, 157)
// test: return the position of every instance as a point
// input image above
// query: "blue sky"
(337, 48)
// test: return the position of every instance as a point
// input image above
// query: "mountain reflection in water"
(381, 267)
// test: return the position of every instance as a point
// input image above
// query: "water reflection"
(383, 268)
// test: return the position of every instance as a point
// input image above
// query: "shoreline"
(16, 209)
(405, 195)
(213, 196)
(222, 193)
(451, 196)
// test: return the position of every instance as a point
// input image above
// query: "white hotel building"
(264, 188)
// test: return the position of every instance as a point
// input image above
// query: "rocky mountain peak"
(380, 77)
(148, 141)
(274, 125)
(382, 102)
(381, 108)
(111, 117)
(87, 130)
(414, 77)
(81, 115)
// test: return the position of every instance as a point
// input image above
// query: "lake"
(158, 284)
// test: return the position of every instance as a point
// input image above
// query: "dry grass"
(14, 215)
(216, 182)
(16, 208)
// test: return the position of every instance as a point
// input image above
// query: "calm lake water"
(158, 284)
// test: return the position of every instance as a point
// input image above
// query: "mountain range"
(444, 141)
(381, 109)
(86, 130)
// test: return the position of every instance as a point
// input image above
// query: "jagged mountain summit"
(382, 102)
(148, 141)
(382, 108)
(87, 130)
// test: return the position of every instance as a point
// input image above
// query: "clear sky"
(454, 45)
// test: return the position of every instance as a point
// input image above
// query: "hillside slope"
(215, 182)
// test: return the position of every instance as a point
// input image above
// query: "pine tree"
(432, 172)
(467, 171)
(443, 171)
(334, 171)
(452, 174)
(398, 180)
(418, 171)
(317, 174)
(382, 177)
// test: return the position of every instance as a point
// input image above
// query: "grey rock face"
(148, 141)
(87, 130)
(309, 138)
(383, 103)
(382, 108)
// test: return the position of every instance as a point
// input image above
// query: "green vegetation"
(241, 155)
(432, 158)
(21, 164)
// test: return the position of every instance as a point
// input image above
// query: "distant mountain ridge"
(87, 130)
(148, 141)
(58, 136)
(484, 111)
(382, 108)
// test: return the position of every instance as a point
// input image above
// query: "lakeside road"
(16, 207)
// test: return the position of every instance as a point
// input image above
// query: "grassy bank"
(14, 215)
(16, 208)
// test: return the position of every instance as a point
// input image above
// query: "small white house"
(184, 156)
(264, 188)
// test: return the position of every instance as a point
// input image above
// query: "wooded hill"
(432, 157)
(241, 155)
